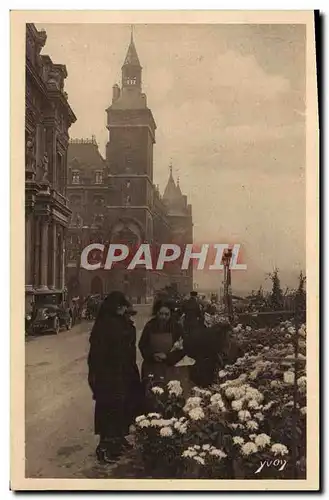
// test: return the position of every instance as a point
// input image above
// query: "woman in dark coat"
(113, 375)
(157, 347)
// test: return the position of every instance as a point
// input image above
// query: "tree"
(276, 298)
(300, 295)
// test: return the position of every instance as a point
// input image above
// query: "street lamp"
(227, 256)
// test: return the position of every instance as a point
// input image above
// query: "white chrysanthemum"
(252, 436)
(289, 378)
(206, 447)
(196, 413)
(238, 440)
(253, 393)
(233, 426)
(199, 459)
(259, 416)
(196, 447)
(303, 410)
(291, 330)
(144, 423)
(230, 392)
(157, 390)
(189, 453)
(222, 373)
(191, 403)
(253, 404)
(301, 382)
(140, 418)
(254, 374)
(166, 432)
(279, 449)
(217, 453)
(244, 415)
(248, 328)
(262, 440)
(154, 415)
(183, 429)
(249, 448)
(237, 405)
(252, 425)
(173, 383)
(177, 391)
(216, 398)
(275, 383)
(175, 387)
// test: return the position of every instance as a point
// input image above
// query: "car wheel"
(69, 323)
(56, 326)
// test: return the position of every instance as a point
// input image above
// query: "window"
(131, 80)
(99, 177)
(60, 173)
(75, 177)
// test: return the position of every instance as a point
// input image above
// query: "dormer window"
(75, 177)
(99, 177)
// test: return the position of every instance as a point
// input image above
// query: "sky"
(229, 103)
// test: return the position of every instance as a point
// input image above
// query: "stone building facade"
(48, 117)
(114, 200)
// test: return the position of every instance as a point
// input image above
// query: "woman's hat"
(117, 299)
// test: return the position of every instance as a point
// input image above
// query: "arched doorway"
(73, 287)
(96, 286)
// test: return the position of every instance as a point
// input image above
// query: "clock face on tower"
(131, 80)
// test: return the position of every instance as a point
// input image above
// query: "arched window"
(99, 177)
(75, 177)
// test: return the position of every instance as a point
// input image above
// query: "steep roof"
(85, 152)
(170, 193)
(132, 57)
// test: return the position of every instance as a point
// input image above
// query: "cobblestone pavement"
(59, 410)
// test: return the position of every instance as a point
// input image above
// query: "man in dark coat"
(210, 347)
(113, 375)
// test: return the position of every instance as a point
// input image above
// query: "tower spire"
(131, 58)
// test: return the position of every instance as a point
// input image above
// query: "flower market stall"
(250, 424)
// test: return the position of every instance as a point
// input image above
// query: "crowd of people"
(174, 346)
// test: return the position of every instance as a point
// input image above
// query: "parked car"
(51, 312)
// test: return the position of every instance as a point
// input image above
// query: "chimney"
(116, 92)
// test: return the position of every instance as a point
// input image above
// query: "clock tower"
(129, 158)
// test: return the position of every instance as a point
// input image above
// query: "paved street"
(59, 410)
